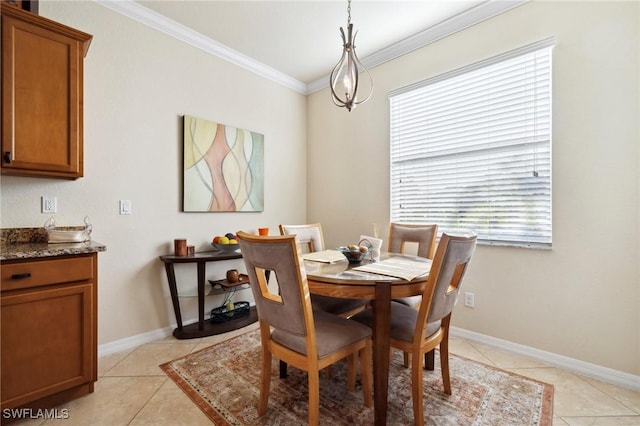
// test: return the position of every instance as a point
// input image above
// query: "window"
(471, 149)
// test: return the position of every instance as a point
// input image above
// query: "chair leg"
(314, 397)
(416, 390)
(265, 381)
(444, 354)
(283, 369)
(406, 360)
(351, 372)
(429, 360)
(327, 372)
(366, 371)
(444, 366)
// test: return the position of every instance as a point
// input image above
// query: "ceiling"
(301, 39)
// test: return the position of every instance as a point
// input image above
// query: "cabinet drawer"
(45, 272)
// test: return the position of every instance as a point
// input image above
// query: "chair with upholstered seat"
(423, 235)
(420, 331)
(311, 239)
(290, 329)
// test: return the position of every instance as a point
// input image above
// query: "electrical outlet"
(469, 300)
(49, 204)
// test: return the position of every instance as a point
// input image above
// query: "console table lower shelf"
(191, 331)
(203, 327)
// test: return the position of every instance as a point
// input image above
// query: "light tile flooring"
(132, 390)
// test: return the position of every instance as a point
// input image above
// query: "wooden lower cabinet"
(48, 330)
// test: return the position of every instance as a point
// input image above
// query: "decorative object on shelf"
(226, 284)
(223, 168)
(191, 250)
(68, 234)
(263, 231)
(227, 242)
(229, 311)
(229, 248)
(180, 247)
(345, 77)
(233, 276)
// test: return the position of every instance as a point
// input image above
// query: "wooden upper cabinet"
(42, 96)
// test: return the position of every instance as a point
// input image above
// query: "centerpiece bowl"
(229, 248)
(353, 254)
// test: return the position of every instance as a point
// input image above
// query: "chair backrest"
(309, 236)
(289, 307)
(424, 235)
(445, 278)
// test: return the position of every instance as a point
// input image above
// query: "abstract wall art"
(223, 168)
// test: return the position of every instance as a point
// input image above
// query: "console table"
(201, 328)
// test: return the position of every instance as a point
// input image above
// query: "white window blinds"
(471, 149)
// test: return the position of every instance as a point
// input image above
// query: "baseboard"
(608, 375)
(133, 341)
(139, 339)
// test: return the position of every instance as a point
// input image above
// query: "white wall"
(138, 84)
(582, 298)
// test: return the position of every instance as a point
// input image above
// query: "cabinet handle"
(7, 157)
(21, 276)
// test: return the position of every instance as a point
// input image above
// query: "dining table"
(344, 280)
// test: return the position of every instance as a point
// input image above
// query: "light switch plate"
(125, 207)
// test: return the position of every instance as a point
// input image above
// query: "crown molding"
(459, 22)
(152, 19)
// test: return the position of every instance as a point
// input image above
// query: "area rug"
(223, 380)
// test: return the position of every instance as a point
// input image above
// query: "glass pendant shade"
(346, 75)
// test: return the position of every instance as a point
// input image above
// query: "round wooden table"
(339, 280)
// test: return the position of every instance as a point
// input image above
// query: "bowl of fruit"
(354, 253)
(226, 242)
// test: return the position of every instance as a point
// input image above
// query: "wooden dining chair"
(291, 330)
(311, 239)
(424, 235)
(420, 331)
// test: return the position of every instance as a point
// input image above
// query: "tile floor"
(132, 390)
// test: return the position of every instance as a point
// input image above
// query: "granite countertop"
(31, 243)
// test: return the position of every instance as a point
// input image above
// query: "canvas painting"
(223, 168)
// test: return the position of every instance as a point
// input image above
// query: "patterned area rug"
(223, 381)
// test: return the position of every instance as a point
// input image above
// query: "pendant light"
(345, 77)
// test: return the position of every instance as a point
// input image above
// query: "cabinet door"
(47, 342)
(41, 99)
